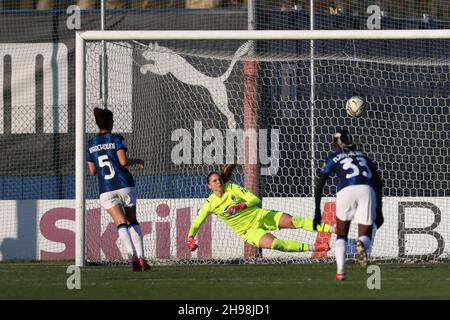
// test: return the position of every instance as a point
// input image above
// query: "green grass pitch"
(263, 282)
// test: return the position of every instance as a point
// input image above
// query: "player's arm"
(227, 171)
(378, 183)
(122, 148)
(249, 199)
(199, 220)
(91, 169)
(125, 161)
(320, 183)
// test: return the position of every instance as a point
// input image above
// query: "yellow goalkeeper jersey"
(234, 194)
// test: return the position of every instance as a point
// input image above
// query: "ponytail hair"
(103, 118)
(342, 140)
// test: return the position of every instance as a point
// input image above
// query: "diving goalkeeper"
(240, 209)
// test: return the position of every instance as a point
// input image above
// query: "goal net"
(270, 106)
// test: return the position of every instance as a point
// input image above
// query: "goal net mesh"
(186, 106)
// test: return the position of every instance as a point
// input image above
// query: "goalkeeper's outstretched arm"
(204, 213)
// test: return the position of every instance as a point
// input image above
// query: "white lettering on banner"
(413, 226)
(74, 280)
(23, 57)
(74, 20)
(374, 21)
(23, 86)
(247, 144)
(374, 280)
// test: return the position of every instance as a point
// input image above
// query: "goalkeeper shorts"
(266, 220)
(125, 197)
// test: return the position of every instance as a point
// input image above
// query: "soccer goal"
(269, 101)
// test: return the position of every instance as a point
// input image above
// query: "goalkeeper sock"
(307, 224)
(125, 238)
(137, 238)
(340, 247)
(366, 242)
(289, 245)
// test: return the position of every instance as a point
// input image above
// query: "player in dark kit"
(106, 157)
(358, 198)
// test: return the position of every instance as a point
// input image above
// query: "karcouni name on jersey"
(104, 146)
(340, 156)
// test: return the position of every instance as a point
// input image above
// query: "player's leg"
(269, 241)
(135, 230)
(129, 199)
(117, 214)
(275, 220)
(259, 237)
(136, 236)
(365, 217)
(289, 222)
(363, 244)
(345, 212)
(340, 247)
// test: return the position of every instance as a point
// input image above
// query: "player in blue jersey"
(106, 156)
(358, 198)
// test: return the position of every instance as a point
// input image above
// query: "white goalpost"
(416, 205)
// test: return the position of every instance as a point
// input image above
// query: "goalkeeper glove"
(233, 209)
(317, 219)
(192, 243)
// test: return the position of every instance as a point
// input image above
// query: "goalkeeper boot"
(339, 276)
(135, 264)
(144, 266)
(362, 254)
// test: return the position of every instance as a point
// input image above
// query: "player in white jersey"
(358, 198)
(106, 156)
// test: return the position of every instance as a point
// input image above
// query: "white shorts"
(357, 203)
(125, 197)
